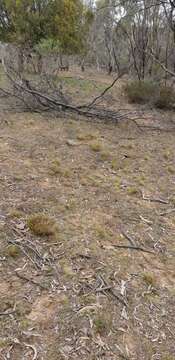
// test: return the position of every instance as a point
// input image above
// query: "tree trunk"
(21, 60)
(40, 64)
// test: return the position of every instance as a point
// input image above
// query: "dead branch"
(42, 96)
(103, 92)
(106, 289)
(25, 278)
(162, 201)
(168, 71)
(138, 248)
(128, 237)
(6, 313)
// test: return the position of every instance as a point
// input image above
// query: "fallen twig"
(107, 289)
(138, 248)
(25, 278)
(169, 211)
(101, 289)
(6, 313)
(128, 237)
(34, 262)
(162, 201)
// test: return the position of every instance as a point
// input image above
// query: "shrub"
(146, 91)
(141, 91)
(166, 98)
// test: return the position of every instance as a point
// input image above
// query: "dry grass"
(67, 302)
(42, 224)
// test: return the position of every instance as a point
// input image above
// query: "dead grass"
(68, 303)
(42, 224)
(149, 279)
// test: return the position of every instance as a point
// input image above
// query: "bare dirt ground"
(101, 283)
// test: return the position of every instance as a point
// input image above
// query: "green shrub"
(142, 91)
(166, 98)
(146, 91)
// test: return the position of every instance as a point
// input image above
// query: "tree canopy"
(28, 22)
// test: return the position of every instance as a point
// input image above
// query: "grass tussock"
(13, 251)
(85, 136)
(56, 169)
(102, 323)
(132, 190)
(42, 225)
(149, 279)
(96, 147)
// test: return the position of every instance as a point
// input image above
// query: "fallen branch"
(44, 100)
(128, 237)
(107, 289)
(34, 262)
(162, 201)
(6, 313)
(138, 248)
(167, 212)
(25, 278)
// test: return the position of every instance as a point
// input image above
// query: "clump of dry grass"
(96, 147)
(15, 213)
(85, 136)
(105, 155)
(149, 279)
(102, 232)
(55, 168)
(171, 169)
(42, 224)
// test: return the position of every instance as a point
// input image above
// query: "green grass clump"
(13, 251)
(96, 147)
(105, 155)
(102, 232)
(102, 323)
(42, 225)
(115, 164)
(132, 190)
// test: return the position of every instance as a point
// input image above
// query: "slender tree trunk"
(21, 60)
(40, 64)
